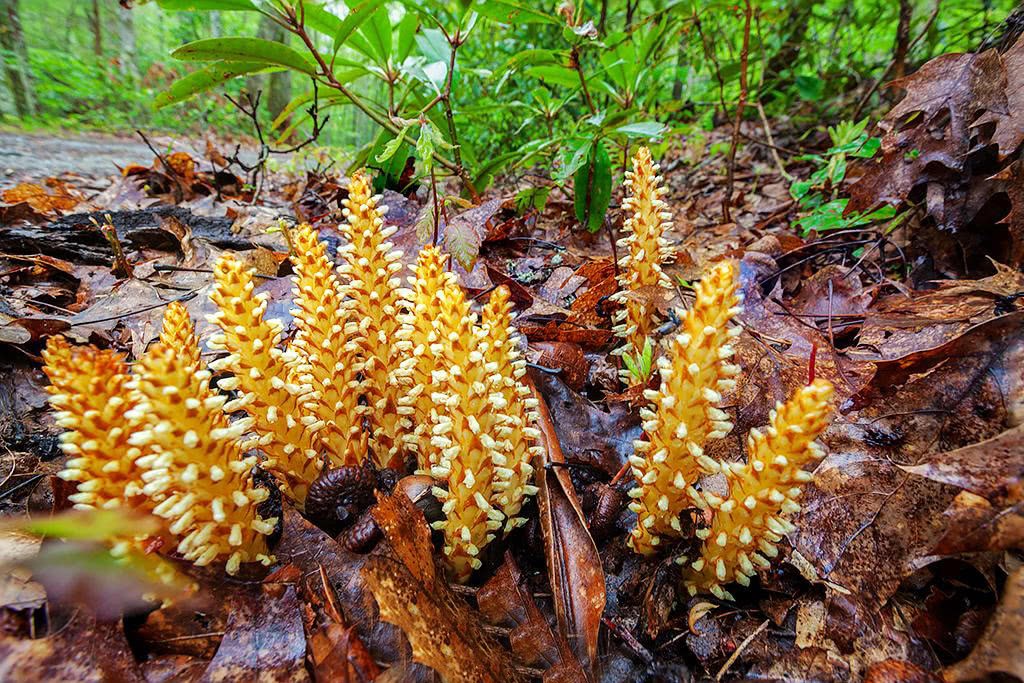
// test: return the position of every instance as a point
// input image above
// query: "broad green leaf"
(555, 75)
(377, 31)
(322, 20)
(353, 21)
(810, 88)
(87, 525)
(236, 48)
(593, 187)
(514, 13)
(208, 77)
(206, 5)
(406, 35)
(643, 129)
(392, 146)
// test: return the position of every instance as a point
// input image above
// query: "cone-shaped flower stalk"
(514, 432)
(462, 428)
(646, 248)
(749, 523)
(685, 412)
(178, 332)
(372, 292)
(89, 390)
(416, 336)
(325, 359)
(286, 428)
(195, 464)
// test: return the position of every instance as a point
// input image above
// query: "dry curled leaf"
(574, 565)
(444, 633)
(1001, 648)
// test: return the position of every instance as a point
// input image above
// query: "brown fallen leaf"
(574, 565)
(867, 523)
(1001, 648)
(263, 640)
(412, 594)
(504, 601)
(79, 649)
(55, 199)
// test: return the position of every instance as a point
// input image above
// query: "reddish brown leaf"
(574, 565)
(444, 633)
(1001, 648)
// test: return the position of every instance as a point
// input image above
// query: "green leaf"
(377, 31)
(555, 75)
(354, 20)
(406, 35)
(643, 129)
(593, 188)
(392, 146)
(87, 525)
(322, 20)
(207, 78)
(236, 48)
(810, 88)
(514, 13)
(206, 5)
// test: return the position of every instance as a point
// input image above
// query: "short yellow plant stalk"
(417, 334)
(324, 358)
(685, 412)
(503, 360)
(749, 523)
(479, 427)
(646, 249)
(372, 293)
(286, 429)
(195, 464)
(89, 390)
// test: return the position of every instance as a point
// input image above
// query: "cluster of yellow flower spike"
(461, 380)
(646, 248)
(416, 367)
(685, 414)
(158, 440)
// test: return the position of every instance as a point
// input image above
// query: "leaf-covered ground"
(905, 563)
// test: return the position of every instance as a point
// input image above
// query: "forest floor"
(31, 157)
(904, 562)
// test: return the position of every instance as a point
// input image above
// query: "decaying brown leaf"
(412, 594)
(574, 565)
(1001, 648)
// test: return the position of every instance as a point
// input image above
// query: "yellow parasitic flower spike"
(373, 295)
(179, 332)
(462, 428)
(325, 359)
(685, 412)
(196, 462)
(750, 522)
(287, 431)
(89, 389)
(416, 336)
(646, 249)
(515, 431)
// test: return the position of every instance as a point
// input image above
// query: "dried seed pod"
(685, 412)
(339, 494)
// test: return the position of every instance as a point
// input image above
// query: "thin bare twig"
(741, 104)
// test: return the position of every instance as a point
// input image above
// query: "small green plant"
(818, 196)
(639, 365)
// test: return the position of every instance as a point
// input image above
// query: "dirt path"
(32, 157)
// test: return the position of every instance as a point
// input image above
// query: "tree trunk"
(277, 87)
(96, 24)
(216, 27)
(129, 48)
(902, 46)
(15, 59)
